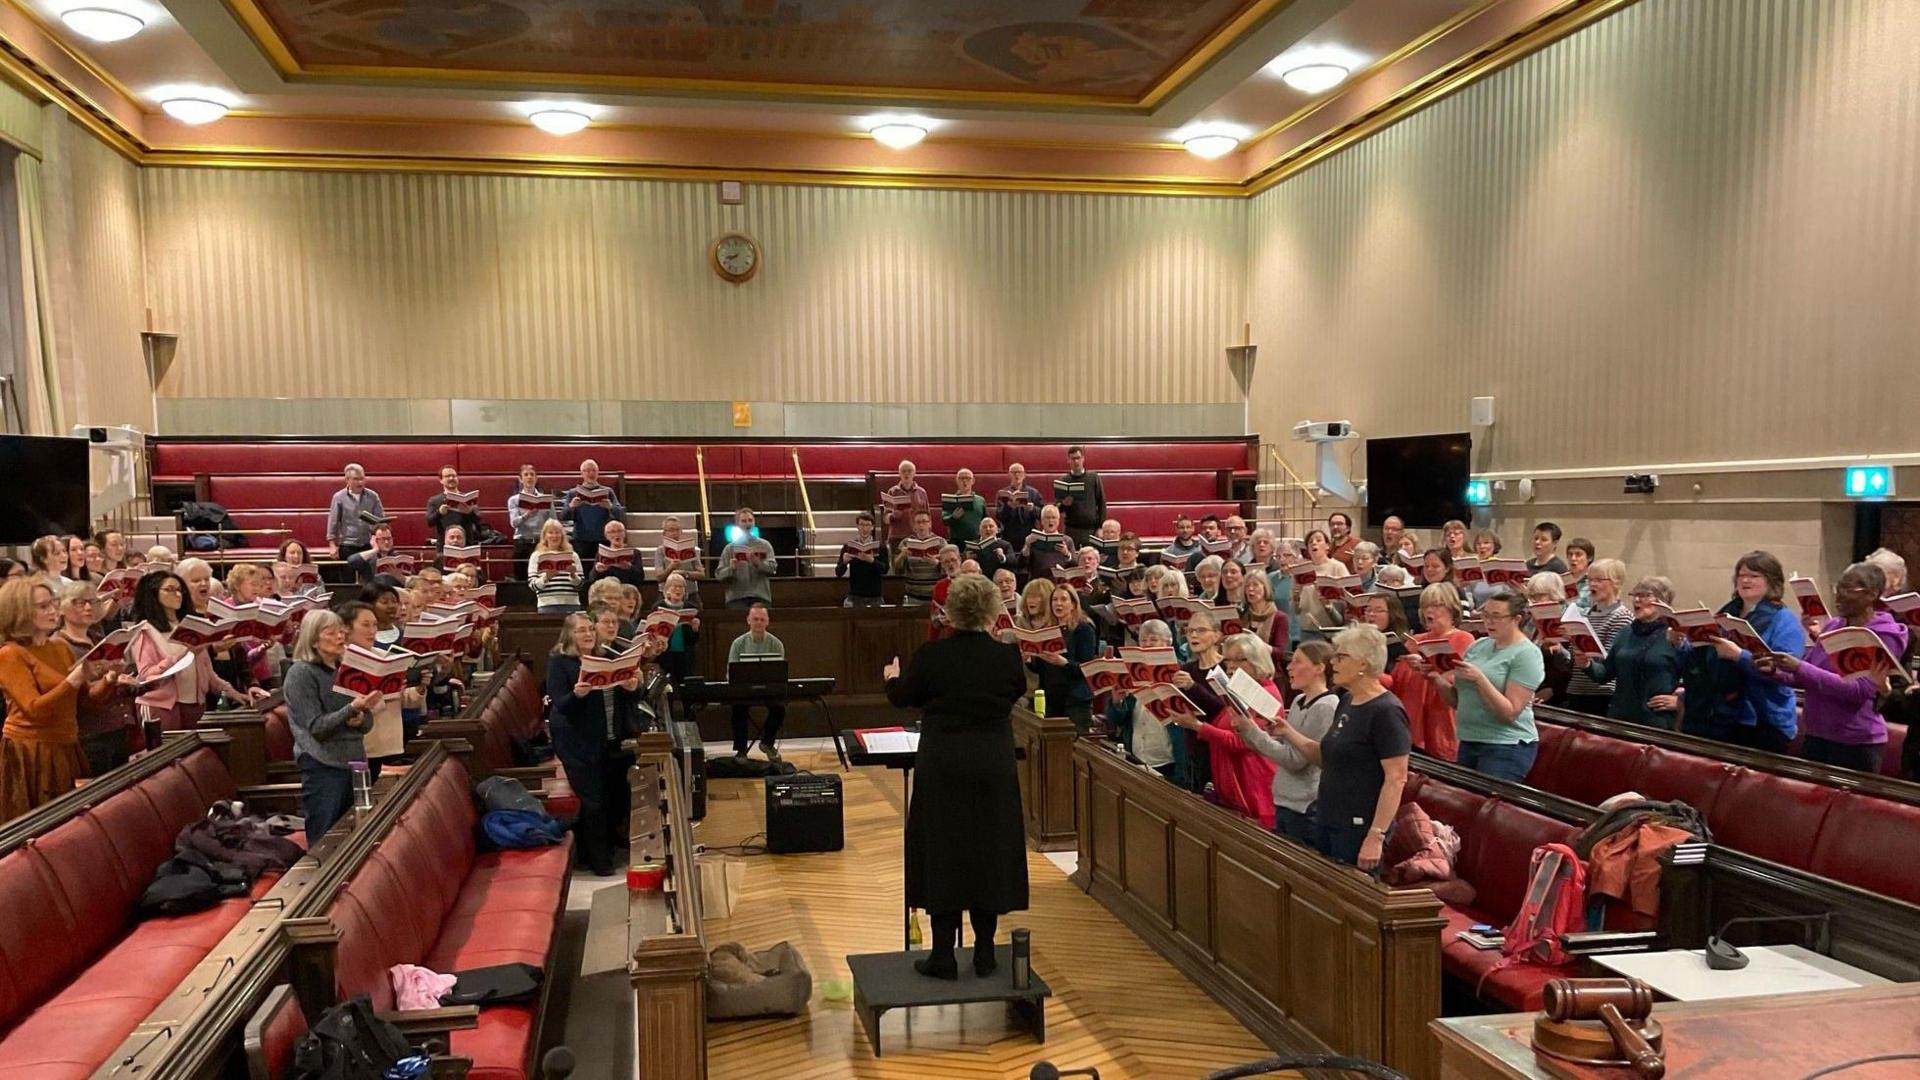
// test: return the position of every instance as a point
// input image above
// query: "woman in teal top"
(1492, 693)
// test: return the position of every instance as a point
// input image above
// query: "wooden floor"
(1117, 1005)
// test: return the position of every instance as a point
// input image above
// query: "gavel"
(1613, 1002)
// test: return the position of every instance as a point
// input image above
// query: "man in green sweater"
(963, 510)
(757, 644)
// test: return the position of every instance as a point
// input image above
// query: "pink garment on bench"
(415, 987)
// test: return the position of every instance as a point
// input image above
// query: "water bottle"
(1040, 703)
(914, 940)
(150, 728)
(362, 785)
(1022, 958)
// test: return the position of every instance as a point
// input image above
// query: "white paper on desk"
(891, 742)
(1683, 974)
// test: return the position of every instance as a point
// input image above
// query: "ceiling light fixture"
(1315, 78)
(560, 121)
(192, 110)
(1211, 145)
(896, 135)
(102, 24)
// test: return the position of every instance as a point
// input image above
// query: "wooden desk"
(1784, 1037)
(1046, 779)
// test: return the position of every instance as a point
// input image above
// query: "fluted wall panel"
(1689, 232)
(104, 309)
(288, 284)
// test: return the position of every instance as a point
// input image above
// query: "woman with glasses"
(1727, 696)
(1641, 663)
(1842, 720)
(1242, 778)
(1453, 540)
(1363, 755)
(1195, 770)
(1060, 676)
(162, 600)
(1491, 690)
(105, 709)
(40, 754)
(1417, 682)
(1608, 616)
(1547, 587)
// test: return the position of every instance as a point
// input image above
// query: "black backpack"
(349, 1042)
(211, 516)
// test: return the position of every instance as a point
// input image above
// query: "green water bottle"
(1040, 703)
(913, 930)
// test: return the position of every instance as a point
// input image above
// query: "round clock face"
(736, 257)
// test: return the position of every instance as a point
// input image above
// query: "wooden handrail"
(667, 957)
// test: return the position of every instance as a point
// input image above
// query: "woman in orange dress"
(1416, 680)
(40, 756)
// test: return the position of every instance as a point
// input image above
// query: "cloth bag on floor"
(772, 982)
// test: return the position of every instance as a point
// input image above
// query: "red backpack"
(1555, 905)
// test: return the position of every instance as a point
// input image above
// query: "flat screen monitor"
(1421, 478)
(44, 487)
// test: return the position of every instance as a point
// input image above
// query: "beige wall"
(1689, 233)
(285, 284)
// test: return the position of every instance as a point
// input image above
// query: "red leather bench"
(1497, 840)
(426, 896)
(1808, 826)
(77, 974)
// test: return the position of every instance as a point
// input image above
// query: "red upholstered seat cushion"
(1456, 806)
(1771, 817)
(1871, 843)
(1495, 855)
(279, 735)
(173, 459)
(1516, 986)
(500, 1046)
(1553, 739)
(1896, 745)
(1589, 768)
(1688, 778)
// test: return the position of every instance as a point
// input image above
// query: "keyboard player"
(757, 644)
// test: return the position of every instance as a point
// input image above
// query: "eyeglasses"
(1344, 656)
(1640, 594)
(1490, 616)
(1855, 588)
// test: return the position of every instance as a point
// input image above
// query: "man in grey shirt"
(757, 644)
(348, 529)
(746, 564)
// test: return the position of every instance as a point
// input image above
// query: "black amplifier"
(804, 814)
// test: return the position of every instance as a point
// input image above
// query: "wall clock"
(736, 258)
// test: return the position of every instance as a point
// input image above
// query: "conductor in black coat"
(588, 726)
(965, 847)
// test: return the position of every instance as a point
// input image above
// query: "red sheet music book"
(113, 647)
(1546, 619)
(1509, 572)
(1856, 650)
(1107, 675)
(455, 557)
(600, 672)
(487, 596)
(553, 562)
(195, 631)
(1468, 571)
(461, 502)
(1149, 666)
(1905, 607)
(432, 636)
(119, 585)
(685, 549)
(1808, 594)
(1075, 575)
(1040, 642)
(1227, 616)
(927, 548)
(1698, 624)
(1175, 562)
(362, 671)
(1438, 652)
(1176, 609)
(854, 549)
(1132, 613)
(597, 495)
(660, 623)
(1302, 573)
(1741, 633)
(613, 558)
(533, 502)
(1579, 636)
(395, 565)
(1218, 546)
(1334, 590)
(1166, 703)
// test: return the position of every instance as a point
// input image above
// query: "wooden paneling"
(1300, 948)
(1046, 778)
(1118, 1006)
(1636, 239)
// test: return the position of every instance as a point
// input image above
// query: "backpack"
(1554, 906)
(349, 1042)
(506, 793)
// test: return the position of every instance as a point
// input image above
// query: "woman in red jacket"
(1242, 778)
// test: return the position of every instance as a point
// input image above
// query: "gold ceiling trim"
(260, 28)
(1556, 24)
(85, 62)
(1542, 32)
(25, 72)
(608, 170)
(1416, 45)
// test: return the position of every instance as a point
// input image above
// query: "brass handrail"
(706, 511)
(1295, 478)
(804, 564)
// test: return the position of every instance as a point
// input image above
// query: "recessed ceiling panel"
(1118, 50)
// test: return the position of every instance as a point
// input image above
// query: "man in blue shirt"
(589, 505)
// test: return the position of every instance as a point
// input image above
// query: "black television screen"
(44, 488)
(1422, 478)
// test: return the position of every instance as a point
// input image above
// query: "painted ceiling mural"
(1116, 48)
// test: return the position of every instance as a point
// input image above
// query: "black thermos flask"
(1022, 958)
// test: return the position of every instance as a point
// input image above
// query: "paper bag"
(721, 878)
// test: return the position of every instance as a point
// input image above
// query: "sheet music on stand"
(889, 742)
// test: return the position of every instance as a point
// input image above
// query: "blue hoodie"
(1723, 694)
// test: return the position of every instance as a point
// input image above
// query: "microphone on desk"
(1722, 956)
(1047, 1070)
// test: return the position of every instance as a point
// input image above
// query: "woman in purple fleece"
(1842, 721)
